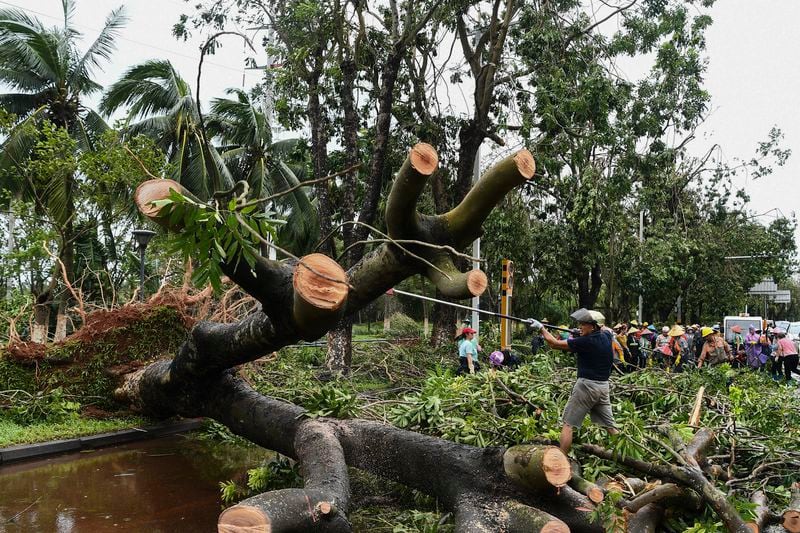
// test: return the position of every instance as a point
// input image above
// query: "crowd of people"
(631, 346)
(676, 348)
(673, 348)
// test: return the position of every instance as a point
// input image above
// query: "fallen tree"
(489, 489)
(521, 488)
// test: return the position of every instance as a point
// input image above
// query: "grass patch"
(12, 433)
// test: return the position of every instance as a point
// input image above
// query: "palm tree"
(246, 146)
(162, 101)
(50, 78)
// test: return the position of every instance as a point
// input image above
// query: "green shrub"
(332, 399)
(403, 326)
(52, 406)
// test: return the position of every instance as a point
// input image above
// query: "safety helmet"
(706, 331)
(665, 329)
(496, 358)
(588, 316)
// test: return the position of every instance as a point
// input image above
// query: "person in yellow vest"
(715, 349)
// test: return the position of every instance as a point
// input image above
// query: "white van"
(743, 322)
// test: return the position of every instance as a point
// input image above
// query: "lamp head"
(143, 237)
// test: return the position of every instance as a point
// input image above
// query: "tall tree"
(244, 134)
(156, 94)
(51, 77)
(340, 66)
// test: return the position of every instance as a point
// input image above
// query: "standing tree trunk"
(41, 317)
(444, 324)
(340, 339)
(589, 284)
(340, 347)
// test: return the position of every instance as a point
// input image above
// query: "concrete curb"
(90, 442)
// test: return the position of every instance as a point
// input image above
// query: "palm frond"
(22, 104)
(20, 141)
(87, 129)
(148, 88)
(301, 231)
(102, 47)
(68, 7)
(23, 44)
(239, 121)
(23, 80)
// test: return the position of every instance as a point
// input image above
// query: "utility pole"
(476, 252)
(641, 246)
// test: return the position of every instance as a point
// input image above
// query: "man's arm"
(553, 342)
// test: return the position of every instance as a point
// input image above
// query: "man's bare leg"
(565, 441)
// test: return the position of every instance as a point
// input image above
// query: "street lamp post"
(142, 237)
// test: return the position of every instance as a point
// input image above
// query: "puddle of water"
(166, 485)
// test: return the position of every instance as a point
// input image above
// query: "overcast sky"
(753, 74)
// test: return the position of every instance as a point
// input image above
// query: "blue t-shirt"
(595, 355)
(464, 346)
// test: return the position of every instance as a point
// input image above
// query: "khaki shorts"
(589, 396)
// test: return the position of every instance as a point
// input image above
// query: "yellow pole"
(506, 289)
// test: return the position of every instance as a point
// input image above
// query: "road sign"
(767, 287)
(783, 297)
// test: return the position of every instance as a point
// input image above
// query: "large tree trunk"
(41, 317)
(589, 284)
(340, 347)
(61, 322)
(340, 339)
(519, 489)
(444, 324)
(305, 299)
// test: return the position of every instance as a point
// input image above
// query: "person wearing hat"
(715, 349)
(786, 354)
(689, 355)
(662, 350)
(652, 332)
(753, 347)
(678, 346)
(632, 343)
(594, 354)
(621, 336)
(699, 341)
(468, 352)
